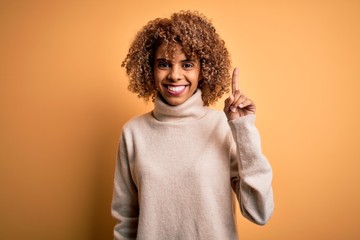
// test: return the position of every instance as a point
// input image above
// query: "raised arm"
(251, 171)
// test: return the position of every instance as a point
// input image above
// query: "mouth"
(175, 90)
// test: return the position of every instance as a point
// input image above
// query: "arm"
(251, 172)
(125, 208)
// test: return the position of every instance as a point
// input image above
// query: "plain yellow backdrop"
(64, 99)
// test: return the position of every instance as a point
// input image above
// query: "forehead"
(174, 52)
(169, 50)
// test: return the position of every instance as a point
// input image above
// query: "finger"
(239, 100)
(249, 106)
(245, 103)
(228, 102)
(234, 82)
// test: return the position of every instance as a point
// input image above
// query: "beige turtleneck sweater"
(177, 168)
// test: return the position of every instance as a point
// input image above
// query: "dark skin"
(237, 104)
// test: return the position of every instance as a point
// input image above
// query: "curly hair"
(198, 38)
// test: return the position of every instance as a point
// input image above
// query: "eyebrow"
(164, 59)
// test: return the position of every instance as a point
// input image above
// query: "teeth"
(176, 88)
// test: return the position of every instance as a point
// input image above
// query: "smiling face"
(176, 79)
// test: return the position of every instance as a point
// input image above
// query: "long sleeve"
(251, 172)
(173, 173)
(125, 207)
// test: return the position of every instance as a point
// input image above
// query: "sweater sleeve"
(251, 172)
(125, 207)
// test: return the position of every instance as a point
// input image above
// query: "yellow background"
(64, 99)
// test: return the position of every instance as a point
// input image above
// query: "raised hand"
(237, 104)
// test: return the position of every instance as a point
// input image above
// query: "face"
(176, 79)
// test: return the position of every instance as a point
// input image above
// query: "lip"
(175, 90)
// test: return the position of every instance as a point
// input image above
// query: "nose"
(175, 73)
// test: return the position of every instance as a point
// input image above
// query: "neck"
(190, 110)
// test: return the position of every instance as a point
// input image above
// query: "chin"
(175, 103)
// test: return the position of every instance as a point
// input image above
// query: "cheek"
(158, 75)
(195, 78)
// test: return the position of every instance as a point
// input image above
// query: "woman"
(178, 165)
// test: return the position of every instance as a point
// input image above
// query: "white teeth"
(176, 88)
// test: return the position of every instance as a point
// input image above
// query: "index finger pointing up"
(234, 82)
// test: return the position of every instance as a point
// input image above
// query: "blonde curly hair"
(198, 38)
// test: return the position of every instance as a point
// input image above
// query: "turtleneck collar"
(190, 110)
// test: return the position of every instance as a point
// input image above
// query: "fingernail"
(233, 109)
(241, 105)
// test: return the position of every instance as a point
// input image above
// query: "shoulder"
(217, 115)
(134, 128)
(137, 122)
(217, 119)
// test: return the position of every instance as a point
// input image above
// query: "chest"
(170, 156)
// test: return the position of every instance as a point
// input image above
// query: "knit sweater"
(177, 168)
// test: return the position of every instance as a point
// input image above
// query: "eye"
(163, 65)
(188, 65)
